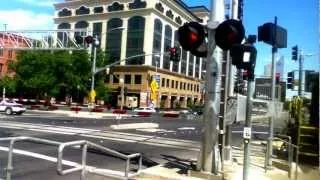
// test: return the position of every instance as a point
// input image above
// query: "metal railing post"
(127, 168)
(297, 160)
(84, 162)
(140, 163)
(290, 156)
(9, 166)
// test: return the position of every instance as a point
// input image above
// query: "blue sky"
(299, 17)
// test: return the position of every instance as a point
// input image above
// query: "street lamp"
(95, 45)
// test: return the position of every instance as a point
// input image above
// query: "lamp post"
(95, 45)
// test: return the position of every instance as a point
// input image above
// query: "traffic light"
(174, 54)
(191, 37)
(277, 78)
(229, 33)
(273, 35)
(244, 56)
(295, 53)
(290, 80)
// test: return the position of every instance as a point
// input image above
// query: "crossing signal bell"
(192, 37)
(174, 53)
(81, 40)
(229, 33)
(295, 53)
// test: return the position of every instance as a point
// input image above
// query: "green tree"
(41, 73)
(10, 84)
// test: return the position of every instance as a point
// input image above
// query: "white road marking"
(187, 128)
(92, 169)
(110, 135)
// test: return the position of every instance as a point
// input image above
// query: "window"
(175, 64)
(184, 86)
(168, 82)
(97, 30)
(198, 90)
(191, 57)
(197, 69)
(137, 79)
(135, 39)
(181, 85)
(61, 35)
(172, 84)
(184, 62)
(195, 88)
(115, 79)
(157, 35)
(113, 45)
(1, 52)
(177, 83)
(137, 4)
(82, 10)
(163, 81)
(115, 7)
(167, 44)
(127, 79)
(98, 9)
(10, 54)
(64, 12)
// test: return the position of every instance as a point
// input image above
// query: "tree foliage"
(41, 73)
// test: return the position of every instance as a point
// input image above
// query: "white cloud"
(23, 20)
(46, 3)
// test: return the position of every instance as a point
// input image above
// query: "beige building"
(148, 27)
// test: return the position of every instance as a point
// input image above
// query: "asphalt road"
(175, 138)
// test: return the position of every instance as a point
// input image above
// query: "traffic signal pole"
(209, 148)
(300, 57)
(273, 91)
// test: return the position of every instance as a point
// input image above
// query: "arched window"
(137, 4)
(135, 39)
(82, 10)
(64, 12)
(167, 44)
(64, 26)
(62, 36)
(157, 35)
(81, 25)
(113, 45)
(115, 7)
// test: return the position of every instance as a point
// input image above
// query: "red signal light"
(193, 37)
(229, 33)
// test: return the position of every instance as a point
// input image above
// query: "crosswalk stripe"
(110, 135)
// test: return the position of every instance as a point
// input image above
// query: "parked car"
(185, 111)
(145, 109)
(11, 107)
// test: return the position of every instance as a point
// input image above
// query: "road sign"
(157, 78)
(247, 132)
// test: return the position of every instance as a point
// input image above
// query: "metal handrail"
(290, 154)
(85, 144)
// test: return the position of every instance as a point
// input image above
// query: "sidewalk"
(232, 172)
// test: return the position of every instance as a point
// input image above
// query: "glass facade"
(191, 59)
(135, 39)
(113, 40)
(167, 44)
(184, 61)
(157, 35)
